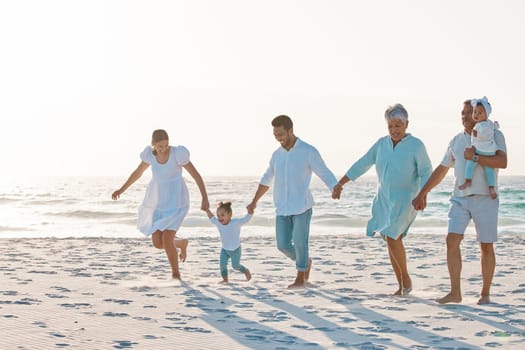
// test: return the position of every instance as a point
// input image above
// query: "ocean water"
(82, 207)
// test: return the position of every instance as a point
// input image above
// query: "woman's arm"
(135, 175)
(200, 183)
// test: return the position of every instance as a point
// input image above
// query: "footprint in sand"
(124, 344)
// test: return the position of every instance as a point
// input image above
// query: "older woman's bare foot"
(183, 252)
(485, 299)
(450, 298)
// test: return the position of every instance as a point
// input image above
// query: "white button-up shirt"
(292, 171)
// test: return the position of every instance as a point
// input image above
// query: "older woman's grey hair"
(396, 111)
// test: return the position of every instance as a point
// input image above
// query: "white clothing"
(166, 202)
(293, 172)
(231, 232)
(484, 139)
(454, 157)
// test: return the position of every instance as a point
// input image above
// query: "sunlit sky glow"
(84, 83)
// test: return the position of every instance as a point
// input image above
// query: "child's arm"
(209, 213)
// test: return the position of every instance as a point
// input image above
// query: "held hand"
(336, 191)
(251, 207)
(469, 153)
(116, 194)
(420, 202)
(205, 204)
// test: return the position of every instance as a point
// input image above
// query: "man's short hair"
(284, 121)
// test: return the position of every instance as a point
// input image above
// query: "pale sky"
(84, 83)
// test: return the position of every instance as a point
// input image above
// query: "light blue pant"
(292, 233)
(489, 172)
(235, 255)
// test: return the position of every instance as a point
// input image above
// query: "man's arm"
(499, 160)
(261, 190)
(420, 202)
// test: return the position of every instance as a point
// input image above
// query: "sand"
(103, 293)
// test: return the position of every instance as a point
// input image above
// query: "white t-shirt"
(454, 158)
(484, 140)
(231, 233)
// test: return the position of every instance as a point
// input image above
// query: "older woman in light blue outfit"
(403, 167)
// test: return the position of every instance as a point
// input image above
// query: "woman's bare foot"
(485, 299)
(248, 275)
(450, 298)
(467, 184)
(183, 252)
(492, 192)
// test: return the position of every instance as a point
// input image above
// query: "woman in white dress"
(166, 202)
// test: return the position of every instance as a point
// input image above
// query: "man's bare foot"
(485, 299)
(248, 275)
(183, 252)
(450, 298)
(492, 192)
(307, 272)
(466, 185)
(176, 276)
(297, 285)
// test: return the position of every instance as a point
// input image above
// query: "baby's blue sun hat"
(484, 102)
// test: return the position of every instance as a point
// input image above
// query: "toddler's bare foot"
(485, 299)
(492, 192)
(224, 281)
(466, 185)
(248, 275)
(450, 298)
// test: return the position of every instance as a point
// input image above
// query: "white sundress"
(166, 202)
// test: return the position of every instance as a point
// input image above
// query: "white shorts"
(482, 209)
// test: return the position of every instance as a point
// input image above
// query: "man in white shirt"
(291, 168)
(472, 203)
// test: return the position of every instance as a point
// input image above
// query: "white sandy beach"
(104, 293)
